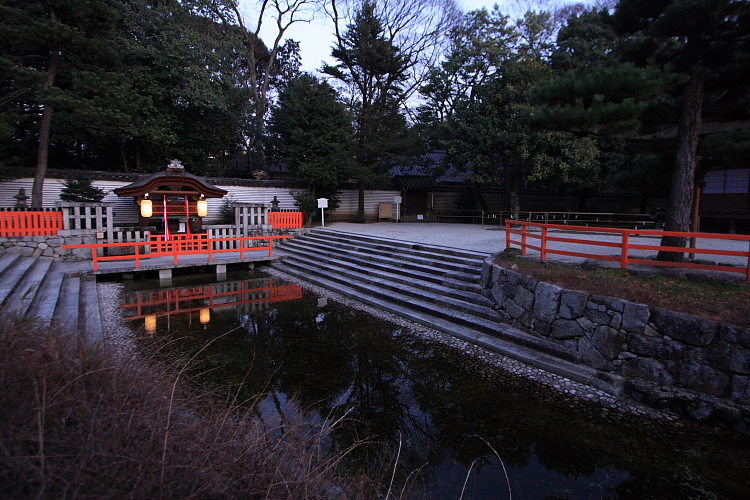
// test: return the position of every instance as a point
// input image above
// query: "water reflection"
(457, 427)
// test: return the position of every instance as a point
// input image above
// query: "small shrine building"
(172, 201)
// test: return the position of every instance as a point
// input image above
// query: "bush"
(79, 421)
(80, 189)
(359, 217)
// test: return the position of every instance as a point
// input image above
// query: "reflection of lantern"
(205, 315)
(202, 207)
(151, 323)
(147, 209)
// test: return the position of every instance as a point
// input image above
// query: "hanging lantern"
(202, 207)
(205, 315)
(151, 323)
(147, 208)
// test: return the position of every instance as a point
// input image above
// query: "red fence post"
(544, 244)
(507, 234)
(624, 249)
(523, 239)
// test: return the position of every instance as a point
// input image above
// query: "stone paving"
(492, 239)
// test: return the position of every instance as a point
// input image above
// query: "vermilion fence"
(178, 245)
(623, 247)
(30, 223)
(285, 220)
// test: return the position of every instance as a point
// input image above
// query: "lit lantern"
(202, 207)
(151, 323)
(205, 315)
(147, 208)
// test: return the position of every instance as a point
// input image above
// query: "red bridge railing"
(37, 223)
(179, 245)
(623, 247)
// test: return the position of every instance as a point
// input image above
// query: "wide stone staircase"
(437, 287)
(53, 293)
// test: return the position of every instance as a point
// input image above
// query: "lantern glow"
(147, 208)
(202, 207)
(150, 323)
(205, 315)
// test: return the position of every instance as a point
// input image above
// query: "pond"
(456, 426)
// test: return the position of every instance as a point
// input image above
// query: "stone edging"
(670, 360)
(50, 246)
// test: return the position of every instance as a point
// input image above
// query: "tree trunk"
(513, 185)
(361, 198)
(124, 158)
(37, 189)
(480, 197)
(683, 178)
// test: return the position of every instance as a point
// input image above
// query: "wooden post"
(625, 245)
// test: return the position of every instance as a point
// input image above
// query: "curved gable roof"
(178, 180)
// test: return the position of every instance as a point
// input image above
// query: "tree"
(80, 189)
(60, 55)
(263, 64)
(374, 68)
(314, 134)
(490, 137)
(707, 42)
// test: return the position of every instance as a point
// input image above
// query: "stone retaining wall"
(50, 246)
(670, 360)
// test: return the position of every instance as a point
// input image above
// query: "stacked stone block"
(670, 359)
(50, 246)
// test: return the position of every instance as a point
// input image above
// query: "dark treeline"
(645, 95)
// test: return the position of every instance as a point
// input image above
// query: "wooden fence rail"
(285, 220)
(37, 223)
(623, 246)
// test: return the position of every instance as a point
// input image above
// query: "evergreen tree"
(707, 42)
(59, 56)
(82, 190)
(374, 69)
(314, 134)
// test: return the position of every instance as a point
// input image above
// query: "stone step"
(27, 289)
(404, 246)
(474, 305)
(511, 339)
(7, 261)
(390, 249)
(68, 305)
(391, 262)
(92, 318)
(10, 279)
(446, 285)
(43, 308)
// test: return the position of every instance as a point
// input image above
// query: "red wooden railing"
(30, 223)
(623, 246)
(177, 245)
(184, 300)
(285, 220)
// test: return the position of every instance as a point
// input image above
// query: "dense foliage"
(646, 95)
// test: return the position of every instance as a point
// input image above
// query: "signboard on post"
(322, 204)
(397, 201)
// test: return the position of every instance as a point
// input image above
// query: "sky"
(316, 37)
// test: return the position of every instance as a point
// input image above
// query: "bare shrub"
(78, 421)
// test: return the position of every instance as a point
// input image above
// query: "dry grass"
(79, 422)
(722, 302)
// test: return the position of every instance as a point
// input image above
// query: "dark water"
(458, 427)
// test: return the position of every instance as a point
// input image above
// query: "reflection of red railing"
(624, 245)
(285, 220)
(30, 223)
(180, 244)
(182, 300)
